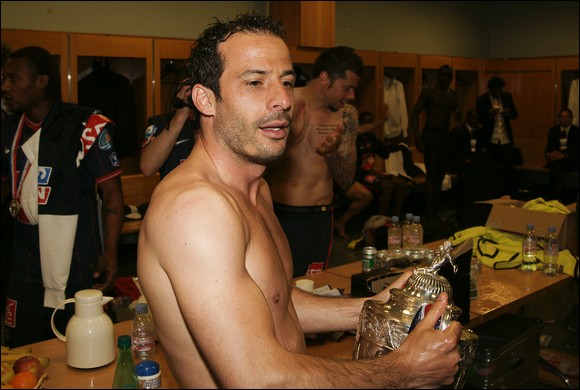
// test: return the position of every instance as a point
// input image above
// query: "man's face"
(257, 88)
(496, 92)
(444, 79)
(341, 91)
(21, 89)
(565, 119)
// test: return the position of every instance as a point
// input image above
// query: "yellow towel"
(502, 250)
(552, 206)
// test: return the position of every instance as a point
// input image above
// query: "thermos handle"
(54, 330)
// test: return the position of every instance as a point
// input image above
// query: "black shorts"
(309, 231)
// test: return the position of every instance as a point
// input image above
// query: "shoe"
(354, 244)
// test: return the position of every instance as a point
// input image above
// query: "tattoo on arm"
(342, 164)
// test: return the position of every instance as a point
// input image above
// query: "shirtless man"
(321, 148)
(214, 263)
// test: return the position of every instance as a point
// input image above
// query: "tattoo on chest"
(325, 129)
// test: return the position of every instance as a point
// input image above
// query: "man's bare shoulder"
(350, 111)
(186, 198)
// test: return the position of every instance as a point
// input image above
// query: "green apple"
(7, 373)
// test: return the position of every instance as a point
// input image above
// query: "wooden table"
(500, 291)
(503, 291)
(61, 376)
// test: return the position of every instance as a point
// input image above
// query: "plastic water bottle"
(529, 249)
(551, 251)
(406, 230)
(143, 333)
(416, 232)
(394, 233)
(148, 374)
(125, 377)
(475, 270)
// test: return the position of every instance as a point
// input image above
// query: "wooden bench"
(137, 190)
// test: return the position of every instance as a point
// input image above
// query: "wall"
(490, 29)
(166, 19)
(483, 29)
(533, 29)
(451, 28)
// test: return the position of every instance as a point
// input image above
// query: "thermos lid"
(89, 296)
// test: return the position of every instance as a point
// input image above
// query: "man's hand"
(106, 272)
(385, 295)
(555, 155)
(430, 356)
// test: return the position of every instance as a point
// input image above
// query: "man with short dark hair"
(561, 151)
(495, 110)
(55, 155)
(321, 149)
(213, 260)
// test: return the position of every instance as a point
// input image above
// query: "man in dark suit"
(562, 150)
(495, 109)
(467, 143)
(562, 145)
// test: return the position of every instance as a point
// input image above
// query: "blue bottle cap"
(147, 368)
(141, 307)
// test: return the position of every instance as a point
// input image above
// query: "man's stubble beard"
(241, 139)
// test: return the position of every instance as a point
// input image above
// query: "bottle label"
(394, 241)
(150, 382)
(368, 264)
(144, 346)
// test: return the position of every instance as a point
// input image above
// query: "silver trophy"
(383, 325)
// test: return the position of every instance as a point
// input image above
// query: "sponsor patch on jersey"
(44, 175)
(43, 195)
(93, 128)
(150, 131)
(105, 140)
(114, 159)
(149, 135)
(10, 316)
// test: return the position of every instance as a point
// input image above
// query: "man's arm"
(456, 109)
(509, 109)
(155, 153)
(112, 217)
(231, 319)
(376, 124)
(319, 314)
(415, 127)
(342, 160)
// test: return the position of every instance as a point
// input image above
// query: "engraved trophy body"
(383, 325)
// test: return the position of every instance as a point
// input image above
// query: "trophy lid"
(426, 283)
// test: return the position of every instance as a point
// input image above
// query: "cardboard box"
(508, 215)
